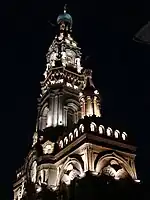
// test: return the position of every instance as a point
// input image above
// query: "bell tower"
(59, 104)
(71, 139)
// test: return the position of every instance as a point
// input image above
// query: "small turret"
(89, 97)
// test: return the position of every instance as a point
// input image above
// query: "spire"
(89, 85)
(65, 8)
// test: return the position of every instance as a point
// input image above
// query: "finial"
(65, 8)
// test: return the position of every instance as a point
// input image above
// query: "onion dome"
(65, 17)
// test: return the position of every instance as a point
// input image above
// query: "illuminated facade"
(71, 136)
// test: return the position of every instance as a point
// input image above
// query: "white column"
(89, 108)
(52, 109)
(49, 116)
(65, 115)
(60, 113)
(55, 111)
(75, 117)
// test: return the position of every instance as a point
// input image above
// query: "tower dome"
(65, 17)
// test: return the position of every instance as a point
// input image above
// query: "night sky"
(120, 67)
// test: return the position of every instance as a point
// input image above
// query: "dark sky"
(120, 66)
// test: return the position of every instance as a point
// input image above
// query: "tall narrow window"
(70, 137)
(93, 127)
(117, 133)
(61, 144)
(81, 128)
(76, 132)
(44, 118)
(66, 140)
(101, 129)
(109, 131)
(124, 135)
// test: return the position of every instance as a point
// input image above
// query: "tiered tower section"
(59, 105)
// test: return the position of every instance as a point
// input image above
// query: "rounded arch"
(70, 137)
(81, 128)
(72, 103)
(43, 107)
(43, 116)
(124, 135)
(70, 165)
(76, 134)
(45, 111)
(31, 158)
(93, 127)
(109, 131)
(101, 129)
(72, 110)
(117, 133)
(107, 158)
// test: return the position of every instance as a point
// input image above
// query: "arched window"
(93, 127)
(70, 137)
(116, 133)
(44, 118)
(76, 132)
(81, 128)
(61, 144)
(66, 140)
(109, 131)
(124, 135)
(101, 129)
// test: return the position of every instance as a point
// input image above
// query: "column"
(82, 108)
(52, 109)
(49, 117)
(55, 120)
(84, 111)
(89, 108)
(95, 105)
(65, 115)
(60, 113)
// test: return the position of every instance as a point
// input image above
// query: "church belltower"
(71, 137)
